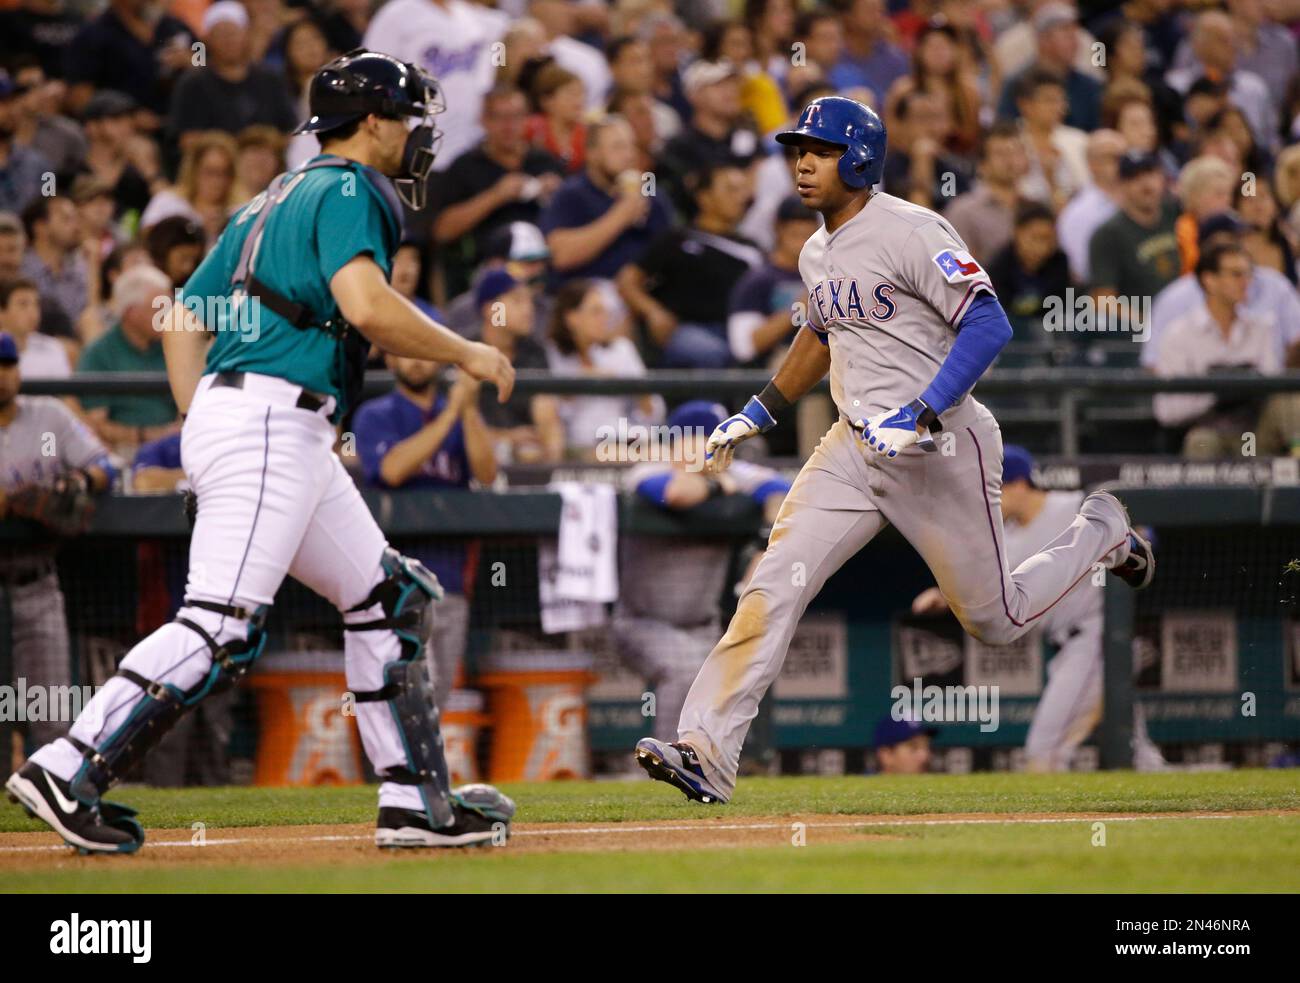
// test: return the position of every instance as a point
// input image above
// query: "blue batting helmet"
(848, 124)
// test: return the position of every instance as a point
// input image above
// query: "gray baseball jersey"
(888, 289)
(43, 440)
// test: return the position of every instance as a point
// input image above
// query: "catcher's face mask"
(422, 141)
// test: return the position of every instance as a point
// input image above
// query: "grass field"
(1220, 831)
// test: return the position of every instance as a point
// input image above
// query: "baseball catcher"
(293, 292)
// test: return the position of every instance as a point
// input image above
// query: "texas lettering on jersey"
(840, 299)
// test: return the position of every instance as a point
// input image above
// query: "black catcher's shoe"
(103, 827)
(482, 816)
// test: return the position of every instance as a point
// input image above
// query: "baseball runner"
(1070, 706)
(906, 322)
(294, 287)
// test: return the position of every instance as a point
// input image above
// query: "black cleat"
(482, 817)
(100, 828)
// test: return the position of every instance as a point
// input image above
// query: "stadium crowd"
(609, 197)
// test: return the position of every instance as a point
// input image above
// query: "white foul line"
(709, 827)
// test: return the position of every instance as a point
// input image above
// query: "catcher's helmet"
(848, 124)
(362, 82)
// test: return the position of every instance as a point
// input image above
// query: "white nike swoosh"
(66, 804)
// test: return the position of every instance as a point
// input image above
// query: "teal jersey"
(331, 216)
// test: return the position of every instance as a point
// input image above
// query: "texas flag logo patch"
(957, 264)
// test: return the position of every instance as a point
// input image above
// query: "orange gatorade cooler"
(462, 722)
(539, 715)
(305, 738)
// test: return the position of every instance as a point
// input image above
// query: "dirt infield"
(342, 844)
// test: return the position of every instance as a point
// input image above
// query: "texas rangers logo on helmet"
(957, 264)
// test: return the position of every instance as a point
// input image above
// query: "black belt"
(306, 400)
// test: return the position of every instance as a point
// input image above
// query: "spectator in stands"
(1127, 62)
(260, 158)
(501, 181)
(821, 32)
(985, 216)
(95, 205)
(306, 50)
(601, 220)
(1134, 253)
(131, 345)
(527, 429)
(38, 30)
(40, 356)
(416, 437)
(176, 246)
(583, 340)
(1219, 336)
(345, 22)
(638, 108)
(1057, 29)
(733, 42)
(937, 69)
(58, 262)
(22, 170)
(559, 27)
(129, 48)
(632, 69)
(109, 120)
(407, 277)
(1263, 46)
(669, 50)
(44, 443)
(870, 58)
(230, 92)
(518, 248)
(456, 42)
(918, 166)
(1214, 53)
(1057, 152)
(205, 190)
(1270, 297)
(1204, 188)
(680, 286)
(1095, 203)
(557, 126)
(1016, 44)
(766, 306)
(1266, 241)
(39, 123)
(902, 747)
(1030, 271)
(716, 132)
(13, 246)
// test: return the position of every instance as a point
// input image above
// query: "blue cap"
(891, 732)
(8, 349)
(1017, 463)
(699, 414)
(493, 285)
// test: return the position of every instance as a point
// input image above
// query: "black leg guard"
(405, 594)
(163, 704)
